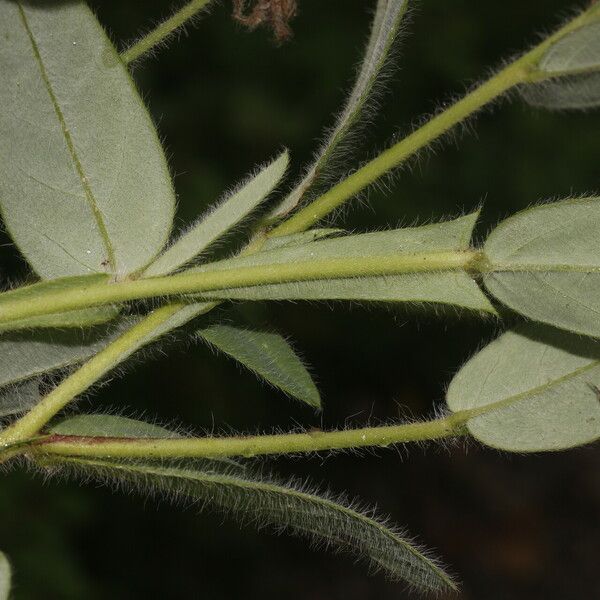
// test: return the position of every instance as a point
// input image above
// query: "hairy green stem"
(523, 70)
(162, 31)
(85, 376)
(44, 301)
(22, 430)
(249, 446)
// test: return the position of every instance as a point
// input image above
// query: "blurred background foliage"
(225, 100)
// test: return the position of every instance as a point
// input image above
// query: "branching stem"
(523, 70)
(24, 432)
(85, 376)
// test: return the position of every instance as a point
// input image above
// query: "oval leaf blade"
(540, 387)
(229, 213)
(545, 264)
(576, 92)
(84, 185)
(268, 355)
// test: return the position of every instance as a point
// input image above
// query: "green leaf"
(574, 92)
(299, 239)
(545, 264)
(386, 25)
(262, 501)
(576, 51)
(84, 185)
(268, 355)
(112, 426)
(537, 387)
(445, 287)
(19, 398)
(5, 577)
(24, 355)
(573, 62)
(232, 210)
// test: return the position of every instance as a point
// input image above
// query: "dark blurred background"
(511, 527)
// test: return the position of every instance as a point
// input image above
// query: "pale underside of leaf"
(5, 577)
(541, 386)
(545, 264)
(220, 220)
(576, 92)
(268, 355)
(299, 239)
(577, 51)
(261, 501)
(19, 398)
(451, 287)
(70, 319)
(112, 426)
(386, 24)
(84, 186)
(27, 354)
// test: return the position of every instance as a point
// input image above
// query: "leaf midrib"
(98, 217)
(484, 410)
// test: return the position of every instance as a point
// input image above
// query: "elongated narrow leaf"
(24, 355)
(386, 24)
(541, 386)
(5, 577)
(268, 355)
(545, 264)
(112, 426)
(232, 210)
(262, 501)
(19, 398)
(446, 287)
(84, 186)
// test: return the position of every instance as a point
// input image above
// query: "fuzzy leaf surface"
(84, 185)
(545, 264)
(27, 354)
(260, 500)
(268, 355)
(577, 51)
(578, 92)
(224, 217)
(5, 577)
(112, 426)
(386, 24)
(299, 239)
(544, 385)
(445, 287)
(19, 398)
